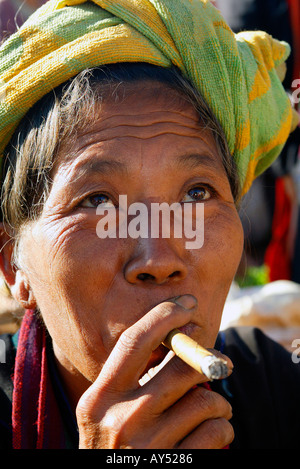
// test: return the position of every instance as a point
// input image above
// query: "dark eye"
(197, 194)
(93, 201)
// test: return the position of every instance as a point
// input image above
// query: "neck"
(75, 383)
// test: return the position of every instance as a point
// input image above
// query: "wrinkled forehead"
(139, 110)
(141, 98)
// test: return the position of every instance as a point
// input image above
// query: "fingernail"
(186, 301)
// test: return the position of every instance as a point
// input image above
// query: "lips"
(189, 329)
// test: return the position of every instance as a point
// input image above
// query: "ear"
(22, 291)
(15, 278)
(6, 254)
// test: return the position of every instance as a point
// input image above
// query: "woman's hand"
(168, 411)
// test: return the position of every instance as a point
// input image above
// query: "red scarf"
(36, 419)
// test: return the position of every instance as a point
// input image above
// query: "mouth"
(191, 329)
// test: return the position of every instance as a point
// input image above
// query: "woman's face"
(150, 147)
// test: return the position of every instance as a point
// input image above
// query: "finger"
(133, 349)
(181, 419)
(173, 380)
(211, 434)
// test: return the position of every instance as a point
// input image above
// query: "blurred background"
(266, 291)
(13, 13)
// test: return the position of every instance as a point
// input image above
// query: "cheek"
(215, 265)
(71, 270)
(73, 254)
(219, 257)
(224, 239)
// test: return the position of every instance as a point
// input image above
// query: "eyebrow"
(194, 160)
(103, 167)
(109, 167)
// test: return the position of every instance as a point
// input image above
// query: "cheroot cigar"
(196, 356)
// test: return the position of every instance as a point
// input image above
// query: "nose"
(156, 262)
